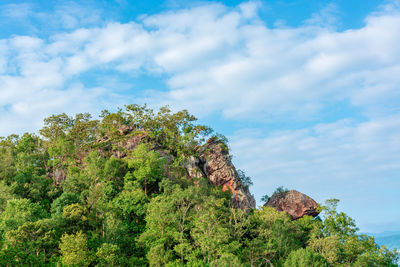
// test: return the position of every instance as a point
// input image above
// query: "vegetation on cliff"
(115, 191)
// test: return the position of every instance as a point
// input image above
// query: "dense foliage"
(114, 192)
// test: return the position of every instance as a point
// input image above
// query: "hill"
(145, 188)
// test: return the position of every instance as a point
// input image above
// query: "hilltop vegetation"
(115, 192)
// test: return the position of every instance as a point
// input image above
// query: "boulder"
(294, 203)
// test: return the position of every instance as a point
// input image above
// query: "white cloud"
(227, 60)
(16, 11)
(358, 163)
(27, 111)
(327, 17)
(32, 18)
(249, 10)
(3, 56)
(70, 15)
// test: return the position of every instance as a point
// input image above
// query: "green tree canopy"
(115, 191)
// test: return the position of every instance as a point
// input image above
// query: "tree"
(148, 167)
(62, 201)
(337, 223)
(305, 258)
(109, 255)
(211, 233)
(167, 224)
(31, 157)
(5, 194)
(226, 260)
(75, 214)
(8, 153)
(339, 243)
(56, 126)
(273, 236)
(74, 250)
(19, 211)
(265, 198)
(35, 238)
(246, 180)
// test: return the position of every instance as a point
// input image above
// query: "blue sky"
(306, 91)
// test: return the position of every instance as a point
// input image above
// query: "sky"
(306, 91)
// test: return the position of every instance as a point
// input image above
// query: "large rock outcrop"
(293, 203)
(215, 164)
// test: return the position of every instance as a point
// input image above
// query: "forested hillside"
(118, 192)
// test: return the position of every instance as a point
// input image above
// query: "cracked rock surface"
(215, 163)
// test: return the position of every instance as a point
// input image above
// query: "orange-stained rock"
(218, 168)
(293, 203)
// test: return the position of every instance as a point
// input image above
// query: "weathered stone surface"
(58, 176)
(217, 166)
(214, 163)
(125, 129)
(134, 141)
(192, 167)
(129, 144)
(293, 203)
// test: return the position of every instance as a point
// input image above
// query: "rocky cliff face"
(293, 203)
(214, 163)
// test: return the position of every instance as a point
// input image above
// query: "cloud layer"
(216, 59)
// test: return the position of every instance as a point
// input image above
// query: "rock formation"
(211, 161)
(130, 144)
(192, 167)
(293, 203)
(214, 163)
